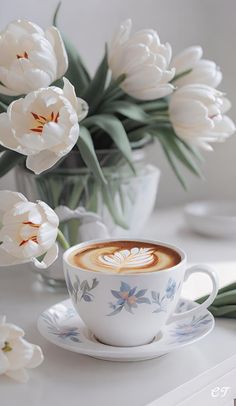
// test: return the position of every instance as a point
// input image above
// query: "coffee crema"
(125, 257)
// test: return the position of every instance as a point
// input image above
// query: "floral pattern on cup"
(127, 298)
(62, 332)
(81, 290)
(162, 300)
(190, 329)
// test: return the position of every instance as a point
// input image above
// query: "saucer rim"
(112, 353)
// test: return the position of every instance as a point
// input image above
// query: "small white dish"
(61, 325)
(212, 218)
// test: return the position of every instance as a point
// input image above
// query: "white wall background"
(210, 23)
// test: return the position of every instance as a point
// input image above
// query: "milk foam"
(133, 258)
(125, 257)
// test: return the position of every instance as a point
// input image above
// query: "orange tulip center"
(42, 120)
(22, 56)
(33, 238)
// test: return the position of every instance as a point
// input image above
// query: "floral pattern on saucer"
(52, 319)
(127, 298)
(61, 325)
(190, 329)
(81, 290)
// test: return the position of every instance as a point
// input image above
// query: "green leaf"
(171, 160)
(113, 91)
(154, 106)
(92, 203)
(8, 160)
(109, 202)
(127, 109)
(112, 126)
(6, 100)
(54, 20)
(96, 87)
(76, 72)
(181, 74)
(181, 153)
(3, 107)
(193, 151)
(86, 148)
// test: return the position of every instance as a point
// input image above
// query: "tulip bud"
(143, 60)
(30, 57)
(197, 115)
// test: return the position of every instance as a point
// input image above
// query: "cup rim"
(107, 240)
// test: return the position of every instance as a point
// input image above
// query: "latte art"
(134, 258)
(125, 257)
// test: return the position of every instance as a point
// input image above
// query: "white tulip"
(43, 125)
(29, 231)
(202, 70)
(197, 115)
(144, 61)
(30, 57)
(17, 354)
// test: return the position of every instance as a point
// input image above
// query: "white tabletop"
(65, 377)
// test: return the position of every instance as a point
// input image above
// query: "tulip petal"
(9, 198)
(19, 375)
(69, 93)
(122, 34)
(50, 214)
(4, 363)
(14, 331)
(4, 333)
(54, 37)
(49, 258)
(153, 93)
(42, 161)
(187, 114)
(187, 59)
(37, 358)
(9, 92)
(47, 235)
(21, 353)
(7, 138)
(80, 105)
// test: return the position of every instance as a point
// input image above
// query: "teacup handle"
(215, 286)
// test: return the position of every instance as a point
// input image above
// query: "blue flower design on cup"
(171, 289)
(162, 300)
(81, 290)
(128, 298)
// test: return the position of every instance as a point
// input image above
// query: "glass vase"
(124, 205)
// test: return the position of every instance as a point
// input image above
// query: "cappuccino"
(125, 257)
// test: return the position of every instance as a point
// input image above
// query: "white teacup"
(131, 309)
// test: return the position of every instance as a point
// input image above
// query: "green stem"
(161, 119)
(62, 241)
(180, 75)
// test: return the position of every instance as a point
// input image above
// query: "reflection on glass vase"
(123, 206)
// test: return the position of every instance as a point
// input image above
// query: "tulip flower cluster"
(139, 94)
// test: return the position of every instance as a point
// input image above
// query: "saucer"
(212, 218)
(61, 325)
